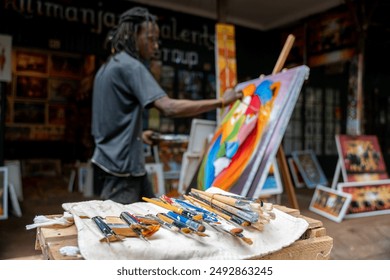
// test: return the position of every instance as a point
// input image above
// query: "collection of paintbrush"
(223, 213)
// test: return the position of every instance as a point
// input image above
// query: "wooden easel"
(280, 156)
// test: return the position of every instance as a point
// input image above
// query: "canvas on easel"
(241, 151)
(360, 159)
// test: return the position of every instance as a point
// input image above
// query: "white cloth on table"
(164, 244)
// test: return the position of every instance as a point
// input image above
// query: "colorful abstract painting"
(361, 158)
(241, 151)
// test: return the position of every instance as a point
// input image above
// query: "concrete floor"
(354, 239)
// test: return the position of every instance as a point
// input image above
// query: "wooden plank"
(53, 234)
(46, 237)
(309, 249)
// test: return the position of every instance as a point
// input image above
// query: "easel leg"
(287, 183)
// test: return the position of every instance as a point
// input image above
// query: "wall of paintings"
(41, 97)
(316, 119)
(326, 44)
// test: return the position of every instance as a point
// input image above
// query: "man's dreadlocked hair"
(122, 37)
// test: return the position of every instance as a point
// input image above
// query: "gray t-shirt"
(123, 88)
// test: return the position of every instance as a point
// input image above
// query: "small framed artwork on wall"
(29, 112)
(66, 66)
(62, 89)
(31, 87)
(31, 62)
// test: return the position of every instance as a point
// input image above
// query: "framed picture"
(309, 168)
(296, 175)
(29, 112)
(3, 193)
(361, 158)
(273, 182)
(62, 89)
(189, 166)
(66, 66)
(15, 176)
(57, 114)
(31, 87)
(330, 203)
(28, 62)
(156, 177)
(200, 131)
(368, 198)
(243, 146)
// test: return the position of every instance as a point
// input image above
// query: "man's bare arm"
(187, 108)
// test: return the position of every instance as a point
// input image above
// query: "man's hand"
(230, 96)
(147, 137)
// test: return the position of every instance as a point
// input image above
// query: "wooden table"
(314, 244)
